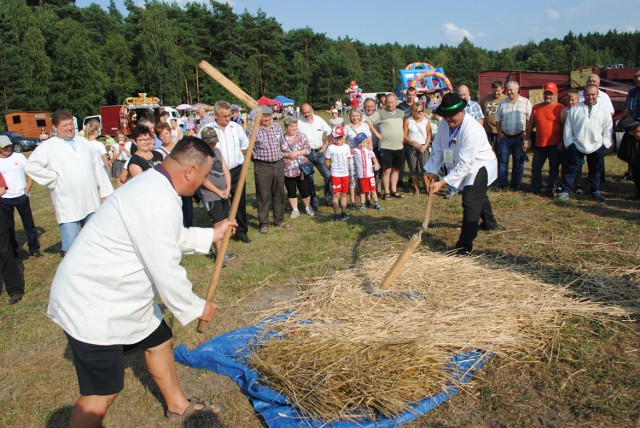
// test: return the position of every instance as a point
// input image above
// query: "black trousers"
(8, 264)
(241, 215)
(22, 205)
(475, 206)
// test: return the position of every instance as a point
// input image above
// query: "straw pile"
(347, 350)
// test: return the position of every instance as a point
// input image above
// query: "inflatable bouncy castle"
(424, 77)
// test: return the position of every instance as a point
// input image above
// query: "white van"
(173, 114)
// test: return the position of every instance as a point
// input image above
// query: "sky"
(491, 25)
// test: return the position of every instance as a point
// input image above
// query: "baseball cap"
(334, 111)
(209, 135)
(551, 87)
(235, 107)
(360, 138)
(337, 132)
(266, 110)
(4, 141)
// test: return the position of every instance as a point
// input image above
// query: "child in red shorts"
(366, 164)
(338, 159)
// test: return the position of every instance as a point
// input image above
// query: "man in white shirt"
(461, 145)
(17, 196)
(74, 174)
(317, 132)
(233, 144)
(587, 132)
(106, 313)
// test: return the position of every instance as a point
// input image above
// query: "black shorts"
(391, 159)
(218, 210)
(100, 369)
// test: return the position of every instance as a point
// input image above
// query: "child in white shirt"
(366, 165)
(338, 159)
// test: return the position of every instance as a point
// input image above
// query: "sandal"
(190, 413)
(386, 196)
(398, 195)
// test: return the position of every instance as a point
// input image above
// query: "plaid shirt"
(474, 109)
(633, 102)
(268, 144)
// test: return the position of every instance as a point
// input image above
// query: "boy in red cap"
(338, 159)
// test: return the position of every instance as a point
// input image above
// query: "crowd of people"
(142, 230)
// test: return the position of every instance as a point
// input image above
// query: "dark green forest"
(54, 54)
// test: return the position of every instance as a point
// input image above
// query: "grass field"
(589, 374)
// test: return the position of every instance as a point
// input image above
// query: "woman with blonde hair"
(417, 137)
(91, 133)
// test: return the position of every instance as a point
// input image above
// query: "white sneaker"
(295, 214)
(309, 211)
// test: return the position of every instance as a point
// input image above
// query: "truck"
(124, 117)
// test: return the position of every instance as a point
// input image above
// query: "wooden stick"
(250, 102)
(228, 84)
(405, 255)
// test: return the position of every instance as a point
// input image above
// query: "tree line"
(54, 54)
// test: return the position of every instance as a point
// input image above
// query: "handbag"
(306, 168)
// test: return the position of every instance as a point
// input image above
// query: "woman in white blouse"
(417, 137)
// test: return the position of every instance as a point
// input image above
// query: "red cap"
(338, 132)
(551, 87)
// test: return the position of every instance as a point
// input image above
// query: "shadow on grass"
(59, 418)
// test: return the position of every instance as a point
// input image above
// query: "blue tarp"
(284, 100)
(226, 354)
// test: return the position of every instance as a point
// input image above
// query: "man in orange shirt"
(545, 117)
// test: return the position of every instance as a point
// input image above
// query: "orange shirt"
(548, 126)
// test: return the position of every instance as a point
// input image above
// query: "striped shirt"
(513, 116)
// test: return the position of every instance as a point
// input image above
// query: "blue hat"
(360, 138)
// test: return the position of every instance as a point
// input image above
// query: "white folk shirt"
(105, 290)
(76, 178)
(231, 142)
(588, 131)
(12, 169)
(363, 162)
(314, 131)
(468, 154)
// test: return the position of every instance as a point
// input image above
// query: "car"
(20, 143)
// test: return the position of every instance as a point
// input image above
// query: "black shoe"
(243, 238)
(461, 252)
(36, 254)
(15, 299)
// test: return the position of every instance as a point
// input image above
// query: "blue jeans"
(317, 159)
(574, 162)
(69, 231)
(510, 146)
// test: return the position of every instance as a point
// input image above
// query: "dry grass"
(587, 376)
(347, 350)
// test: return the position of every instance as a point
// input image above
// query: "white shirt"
(469, 153)
(98, 147)
(12, 169)
(314, 131)
(76, 178)
(588, 131)
(231, 142)
(340, 158)
(363, 162)
(105, 289)
(417, 131)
